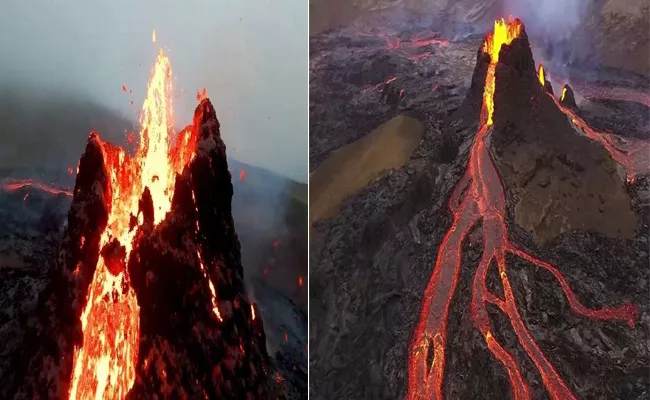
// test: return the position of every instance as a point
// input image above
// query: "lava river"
(479, 196)
(104, 366)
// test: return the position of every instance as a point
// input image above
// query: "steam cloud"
(555, 20)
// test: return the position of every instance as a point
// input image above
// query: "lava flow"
(12, 185)
(479, 196)
(632, 154)
(104, 366)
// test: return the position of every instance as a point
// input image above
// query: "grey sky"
(250, 55)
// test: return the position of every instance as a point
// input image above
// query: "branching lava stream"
(104, 366)
(484, 200)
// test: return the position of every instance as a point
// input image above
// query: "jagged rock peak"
(567, 97)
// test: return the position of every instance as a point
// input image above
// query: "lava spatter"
(479, 196)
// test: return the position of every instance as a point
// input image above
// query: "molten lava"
(540, 74)
(484, 200)
(12, 185)
(104, 366)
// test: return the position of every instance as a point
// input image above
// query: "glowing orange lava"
(104, 366)
(563, 92)
(12, 185)
(540, 74)
(484, 200)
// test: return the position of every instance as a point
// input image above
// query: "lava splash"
(479, 197)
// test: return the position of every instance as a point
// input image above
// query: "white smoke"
(555, 20)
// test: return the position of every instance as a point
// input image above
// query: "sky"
(251, 56)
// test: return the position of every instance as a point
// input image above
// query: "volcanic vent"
(560, 154)
(147, 299)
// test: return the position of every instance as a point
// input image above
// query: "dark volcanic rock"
(200, 354)
(47, 358)
(548, 87)
(186, 347)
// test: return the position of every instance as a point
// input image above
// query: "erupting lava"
(479, 196)
(104, 366)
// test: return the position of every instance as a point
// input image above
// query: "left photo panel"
(154, 200)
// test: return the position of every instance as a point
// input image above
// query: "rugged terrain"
(370, 263)
(613, 33)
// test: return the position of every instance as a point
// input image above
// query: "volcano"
(147, 297)
(506, 258)
(515, 108)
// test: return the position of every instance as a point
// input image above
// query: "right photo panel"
(479, 198)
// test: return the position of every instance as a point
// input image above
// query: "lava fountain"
(479, 196)
(104, 366)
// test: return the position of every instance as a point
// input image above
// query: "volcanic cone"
(197, 332)
(564, 179)
(538, 152)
